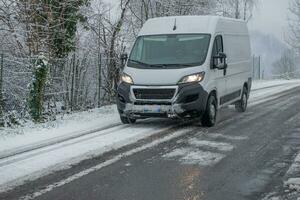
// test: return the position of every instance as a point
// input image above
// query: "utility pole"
(1, 89)
(259, 64)
(253, 67)
(99, 80)
(72, 84)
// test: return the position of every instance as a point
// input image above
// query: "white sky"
(271, 17)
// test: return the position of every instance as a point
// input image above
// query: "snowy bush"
(11, 119)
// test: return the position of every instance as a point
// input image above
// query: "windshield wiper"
(149, 65)
(159, 65)
(138, 62)
(178, 65)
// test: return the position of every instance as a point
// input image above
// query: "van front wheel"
(241, 105)
(210, 116)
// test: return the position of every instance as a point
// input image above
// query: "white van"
(186, 67)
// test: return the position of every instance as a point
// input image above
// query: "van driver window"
(218, 45)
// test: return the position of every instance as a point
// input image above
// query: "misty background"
(269, 29)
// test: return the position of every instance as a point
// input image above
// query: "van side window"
(218, 47)
(220, 43)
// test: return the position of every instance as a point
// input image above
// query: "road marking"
(227, 137)
(105, 164)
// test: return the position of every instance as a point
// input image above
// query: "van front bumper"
(189, 101)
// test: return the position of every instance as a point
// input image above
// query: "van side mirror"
(219, 61)
(124, 58)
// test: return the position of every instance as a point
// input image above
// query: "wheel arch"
(215, 93)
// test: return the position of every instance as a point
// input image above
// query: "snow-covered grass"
(64, 126)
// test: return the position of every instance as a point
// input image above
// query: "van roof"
(193, 24)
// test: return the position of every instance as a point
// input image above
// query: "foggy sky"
(271, 17)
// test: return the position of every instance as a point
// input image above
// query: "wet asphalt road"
(244, 157)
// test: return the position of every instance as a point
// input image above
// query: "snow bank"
(265, 90)
(259, 84)
(63, 127)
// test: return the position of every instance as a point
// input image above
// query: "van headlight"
(126, 79)
(193, 78)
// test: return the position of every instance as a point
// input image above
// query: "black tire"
(241, 105)
(210, 116)
(127, 120)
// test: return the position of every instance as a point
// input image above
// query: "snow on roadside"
(264, 90)
(259, 84)
(67, 125)
(295, 167)
(76, 123)
(293, 175)
(293, 184)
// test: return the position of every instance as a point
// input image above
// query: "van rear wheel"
(127, 120)
(210, 116)
(241, 105)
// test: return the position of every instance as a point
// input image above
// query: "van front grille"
(159, 94)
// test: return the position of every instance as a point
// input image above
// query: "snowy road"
(254, 155)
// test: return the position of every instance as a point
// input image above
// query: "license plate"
(152, 109)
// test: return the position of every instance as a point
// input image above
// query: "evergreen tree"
(37, 87)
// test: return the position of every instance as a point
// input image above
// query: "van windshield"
(169, 51)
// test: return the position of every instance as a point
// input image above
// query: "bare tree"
(286, 67)
(238, 9)
(294, 23)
